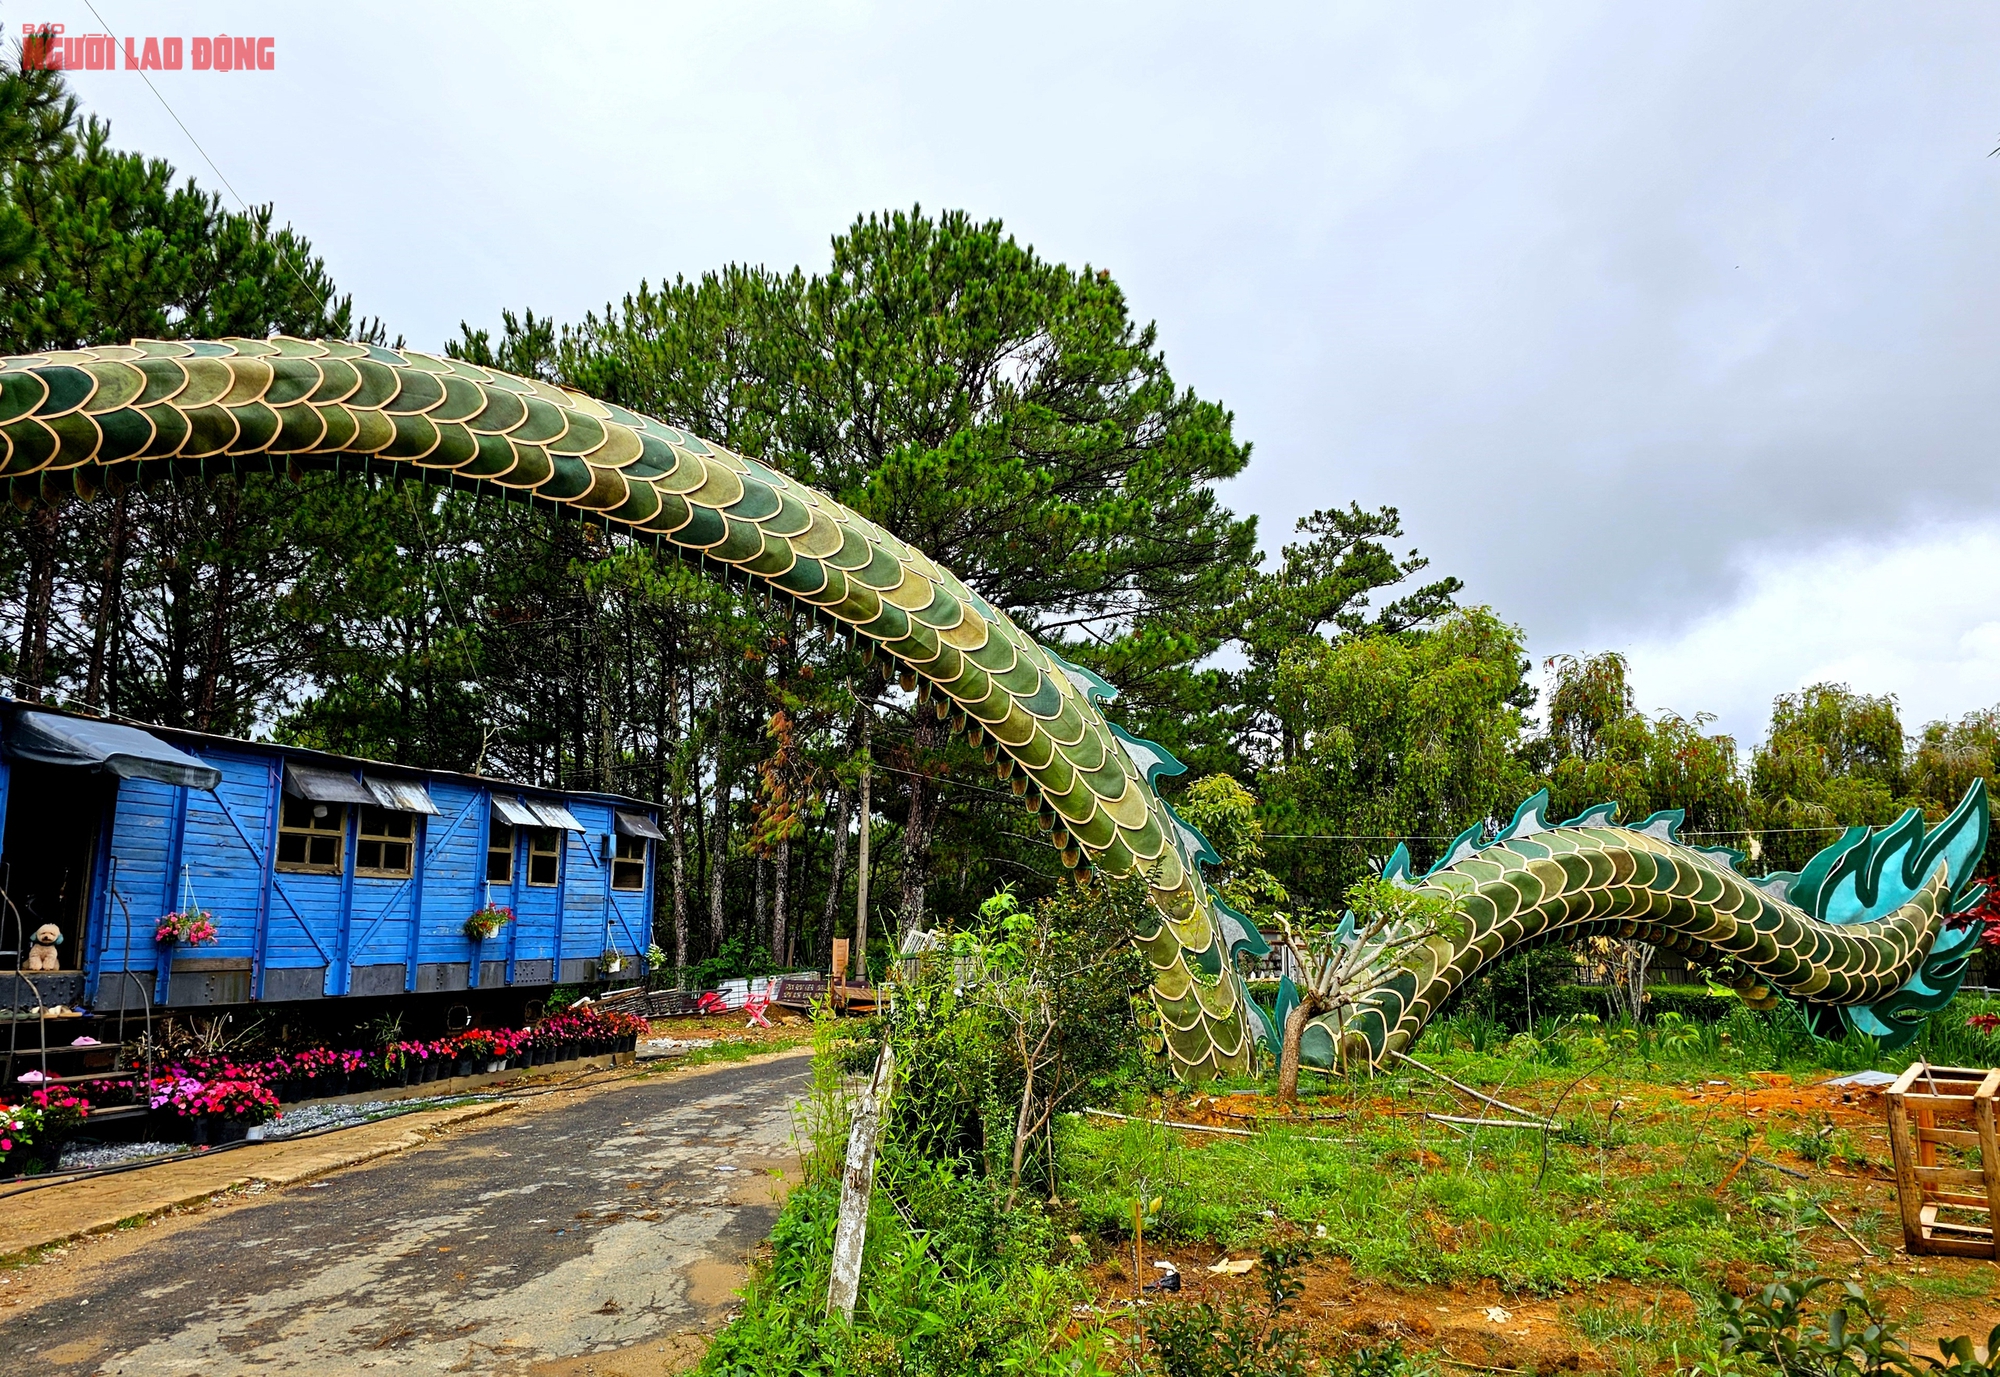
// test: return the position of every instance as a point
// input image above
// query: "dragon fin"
(1664, 825)
(1597, 815)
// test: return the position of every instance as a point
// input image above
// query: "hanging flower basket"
(191, 927)
(488, 921)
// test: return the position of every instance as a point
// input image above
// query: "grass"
(1617, 1233)
(1401, 1204)
(735, 1051)
(1645, 1188)
(1644, 1337)
(951, 1284)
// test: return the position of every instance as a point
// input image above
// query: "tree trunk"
(758, 865)
(718, 832)
(718, 856)
(677, 841)
(843, 817)
(921, 823)
(1288, 1053)
(214, 658)
(861, 857)
(109, 590)
(781, 883)
(43, 525)
(1021, 1119)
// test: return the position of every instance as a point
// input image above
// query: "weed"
(1386, 1361)
(1814, 1139)
(1635, 1331)
(1201, 1339)
(821, 1118)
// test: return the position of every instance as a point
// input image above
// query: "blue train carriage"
(328, 877)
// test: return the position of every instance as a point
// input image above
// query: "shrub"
(1201, 1339)
(1777, 1331)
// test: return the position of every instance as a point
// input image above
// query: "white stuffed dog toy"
(42, 949)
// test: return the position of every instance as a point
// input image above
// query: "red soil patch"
(1774, 1094)
(1474, 1324)
(731, 1027)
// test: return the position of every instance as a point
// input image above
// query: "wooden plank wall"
(304, 935)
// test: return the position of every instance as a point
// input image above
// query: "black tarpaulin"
(638, 825)
(109, 746)
(325, 786)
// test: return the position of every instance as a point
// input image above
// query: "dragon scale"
(1855, 937)
(75, 423)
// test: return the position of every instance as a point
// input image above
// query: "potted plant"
(224, 1111)
(470, 1048)
(488, 921)
(189, 927)
(20, 1139)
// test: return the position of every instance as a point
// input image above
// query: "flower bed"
(221, 1111)
(220, 1097)
(21, 1139)
(33, 1132)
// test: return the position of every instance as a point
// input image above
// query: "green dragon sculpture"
(1856, 937)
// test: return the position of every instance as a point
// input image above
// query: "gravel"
(655, 1048)
(290, 1124)
(313, 1117)
(82, 1157)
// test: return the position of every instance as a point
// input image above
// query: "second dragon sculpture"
(1858, 936)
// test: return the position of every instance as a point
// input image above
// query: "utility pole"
(861, 866)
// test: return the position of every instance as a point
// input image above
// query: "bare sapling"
(1621, 964)
(1339, 965)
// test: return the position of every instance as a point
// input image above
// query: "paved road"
(620, 1218)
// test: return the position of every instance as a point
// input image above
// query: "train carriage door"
(65, 772)
(54, 830)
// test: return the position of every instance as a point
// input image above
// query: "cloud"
(1618, 305)
(1917, 617)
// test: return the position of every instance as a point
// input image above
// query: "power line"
(242, 205)
(1422, 836)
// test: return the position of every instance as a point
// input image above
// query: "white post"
(857, 1184)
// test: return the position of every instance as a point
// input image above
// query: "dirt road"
(601, 1232)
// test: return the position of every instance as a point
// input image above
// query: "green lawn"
(1692, 1160)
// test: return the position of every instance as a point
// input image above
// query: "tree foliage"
(1597, 749)
(1008, 415)
(1226, 814)
(1410, 736)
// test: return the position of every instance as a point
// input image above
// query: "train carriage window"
(544, 856)
(384, 842)
(311, 835)
(628, 867)
(500, 852)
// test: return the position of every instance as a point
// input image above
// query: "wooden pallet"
(1946, 1209)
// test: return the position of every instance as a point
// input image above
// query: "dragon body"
(1858, 938)
(79, 422)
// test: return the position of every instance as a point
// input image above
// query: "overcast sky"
(1669, 329)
